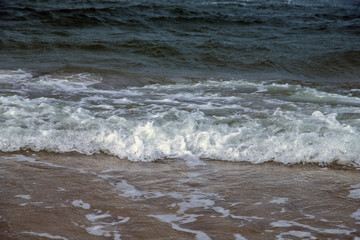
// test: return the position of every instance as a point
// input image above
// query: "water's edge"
(101, 197)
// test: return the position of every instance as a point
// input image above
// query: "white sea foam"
(173, 219)
(7, 76)
(104, 228)
(297, 234)
(356, 215)
(130, 191)
(247, 218)
(94, 217)
(239, 237)
(196, 200)
(355, 192)
(27, 197)
(97, 230)
(309, 216)
(279, 200)
(45, 235)
(80, 203)
(337, 231)
(226, 120)
(22, 158)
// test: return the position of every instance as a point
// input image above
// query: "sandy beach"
(179, 120)
(72, 196)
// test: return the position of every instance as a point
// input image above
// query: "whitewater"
(229, 119)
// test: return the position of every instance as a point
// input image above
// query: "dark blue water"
(232, 80)
(303, 39)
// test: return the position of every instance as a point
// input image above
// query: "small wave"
(234, 120)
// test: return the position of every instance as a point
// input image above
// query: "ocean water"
(246, 83)
(248, 80)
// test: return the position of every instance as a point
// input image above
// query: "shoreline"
(72, 196)
(115, 159)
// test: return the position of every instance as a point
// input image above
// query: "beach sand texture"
(72, 196)
(169, 119)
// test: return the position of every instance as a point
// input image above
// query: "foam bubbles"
(337, 231)
(44, 235)
(81, 204)
(27, 197)
(172, 219)
(279, 200)
(297, 234)
(103, 228)
(356, 215)
(130, 191)
(355, 192)
(233, 120)
(7, 76)
(239, 237)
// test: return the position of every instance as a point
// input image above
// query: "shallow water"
(250, 80)
(179, 119)
(70, 196)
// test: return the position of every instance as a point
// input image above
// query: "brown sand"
(71, 196)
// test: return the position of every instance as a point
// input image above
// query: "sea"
(180, 119)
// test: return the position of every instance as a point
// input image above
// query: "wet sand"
(72, 196)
